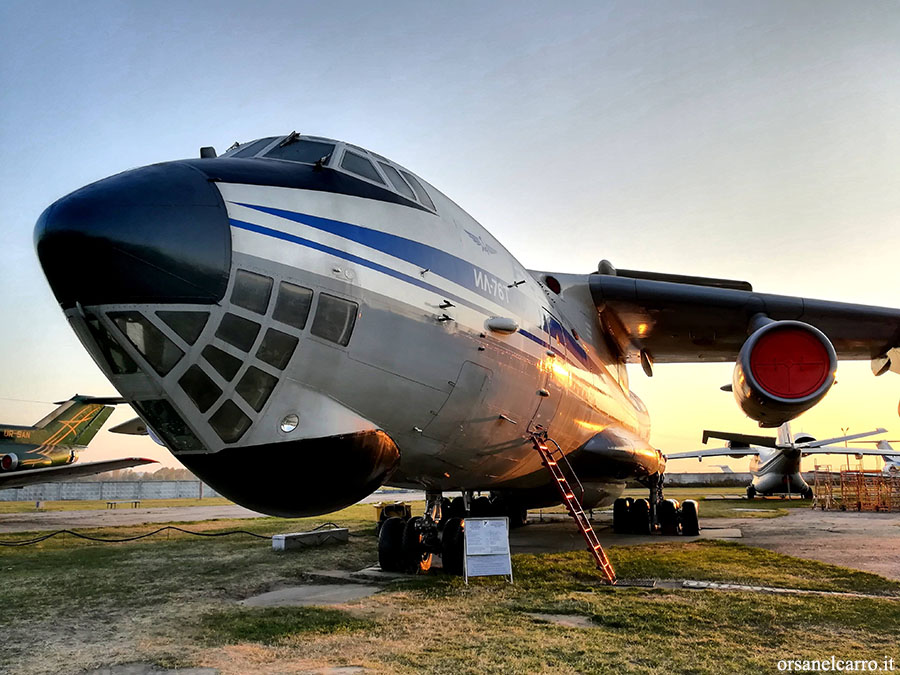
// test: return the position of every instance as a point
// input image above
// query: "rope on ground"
(45, 537)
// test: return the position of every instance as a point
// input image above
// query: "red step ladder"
(573, 505)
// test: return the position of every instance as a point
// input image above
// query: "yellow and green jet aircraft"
(46, 452)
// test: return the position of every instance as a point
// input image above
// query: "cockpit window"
(251, 149)
(308, 152)
(420, 191)
(360, 166)
(398, 182)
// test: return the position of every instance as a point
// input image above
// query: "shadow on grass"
(273, 625)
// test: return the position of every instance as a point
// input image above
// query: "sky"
(756, 141)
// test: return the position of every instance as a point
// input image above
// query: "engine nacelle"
(9, 462)
(783, 370)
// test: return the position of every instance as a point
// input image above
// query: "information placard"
(487, 548)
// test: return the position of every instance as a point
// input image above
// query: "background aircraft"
(47, 451)
(775, 461)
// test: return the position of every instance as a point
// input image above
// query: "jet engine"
(783, 370)
(9, 462)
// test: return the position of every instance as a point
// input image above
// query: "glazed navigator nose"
(151, 235)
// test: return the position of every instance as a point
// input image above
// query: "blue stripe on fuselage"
(441, 263)
(433, 259)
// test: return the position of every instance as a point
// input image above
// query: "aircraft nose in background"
(155, 234)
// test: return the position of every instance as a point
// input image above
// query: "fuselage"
(777, 471)
(321, 325)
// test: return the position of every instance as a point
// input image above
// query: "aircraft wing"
(843, 450)
(54, 474)
(679, 319)
(714, 452)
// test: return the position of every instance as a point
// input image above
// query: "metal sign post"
(487, 548)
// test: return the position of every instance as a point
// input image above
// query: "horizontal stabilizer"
(55, 474)
(735, 452)
(741, 440)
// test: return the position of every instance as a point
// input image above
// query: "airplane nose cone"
(155, 234)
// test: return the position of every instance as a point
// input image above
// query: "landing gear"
(808, 493)
(656, 514)
(621, 515)
(452, 546)
(390, 544)
(690, 522)
(668, 518)
(409, 545)
(751, 492)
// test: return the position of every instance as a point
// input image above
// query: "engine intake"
(783, 370)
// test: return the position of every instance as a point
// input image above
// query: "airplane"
(302, 320)
(889, 455)
(775, 461)
(46, 452)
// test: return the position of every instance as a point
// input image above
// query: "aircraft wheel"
(457, 508)
(751, 492)
(415, 558)
(390, 545)
(668, 517)
(640, 516)
(482, 507)
(808, 493)
(518, 516)
(621, 523)
(690, 518)
(452, 546)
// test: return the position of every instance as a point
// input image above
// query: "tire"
(481, 508)
(690, 520)
(621, 523)
(667, 512)
(640, 517)
(751, 492)
(415, 558)
(457, 508)
(452, 546)
(808, 493)
(390, 545)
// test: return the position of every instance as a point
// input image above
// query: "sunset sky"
(758, 141)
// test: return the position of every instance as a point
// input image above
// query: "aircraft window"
(187, 325)
(229, 422)
(308, 152)
(238, 331)
(119, 361)
(360, 166)
(202, 390)
(277, 348)
(251, 149)
(161, 416)
(251, 291)
(226, 364)
(255, 387)
(398, 182)
(160, 351)
(292, 305)
(334, 319)
(420, 191)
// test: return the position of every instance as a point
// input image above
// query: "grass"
(274, 624)
(68, 605)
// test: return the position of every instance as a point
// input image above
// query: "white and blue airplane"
(775, 460)
(302, 320)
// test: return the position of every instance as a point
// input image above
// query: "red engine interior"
(790, 362)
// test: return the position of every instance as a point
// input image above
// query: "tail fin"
(75, 422)
(888, 452)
